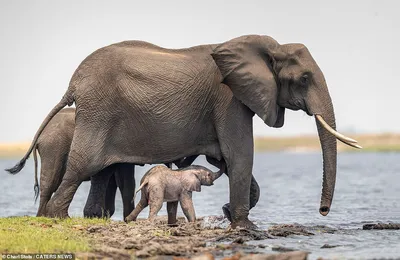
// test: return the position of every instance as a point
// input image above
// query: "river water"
(367, 191)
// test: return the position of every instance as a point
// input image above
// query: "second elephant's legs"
(95, 204)
(125, 178)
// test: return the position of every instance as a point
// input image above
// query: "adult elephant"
(140, 103)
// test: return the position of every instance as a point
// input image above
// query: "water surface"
(367, 190)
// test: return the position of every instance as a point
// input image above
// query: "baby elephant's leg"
(187, 206)
(139, 207)
(156, 199)
(172, 208)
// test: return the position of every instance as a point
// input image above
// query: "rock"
(329, 246)
(381, 226)
(285, 230)
(282, 249)
(238, 240)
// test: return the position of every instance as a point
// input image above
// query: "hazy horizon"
(354, 43)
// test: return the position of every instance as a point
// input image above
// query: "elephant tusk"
(344, 139)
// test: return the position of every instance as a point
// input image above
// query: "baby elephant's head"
(206, 176)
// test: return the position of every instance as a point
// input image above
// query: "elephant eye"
(304, 79)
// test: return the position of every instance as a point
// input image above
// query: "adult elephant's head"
(269, 77)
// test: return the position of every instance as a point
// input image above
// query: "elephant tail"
(36, 186)
(141, 187)
(67, 99)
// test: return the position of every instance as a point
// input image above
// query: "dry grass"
(370, 142)
(388, 142)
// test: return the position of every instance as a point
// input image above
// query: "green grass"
(44, 235)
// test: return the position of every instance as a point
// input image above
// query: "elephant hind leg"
(82, 164)
(143, 203)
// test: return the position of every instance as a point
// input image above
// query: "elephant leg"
(110, 197)
(254, 197)
(82, 164)
(143, 203)
(51, 174)
(95, 204)
(187, 206)
(125, 178)
(156, 199)
(237, 149)
(172, 209)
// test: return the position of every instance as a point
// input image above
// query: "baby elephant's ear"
(190, 182)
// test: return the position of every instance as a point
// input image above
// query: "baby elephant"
(161, 184)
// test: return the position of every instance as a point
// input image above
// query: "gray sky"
(355, 43)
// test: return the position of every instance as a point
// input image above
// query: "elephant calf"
(161, 184)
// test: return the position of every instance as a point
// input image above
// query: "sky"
(355, 43)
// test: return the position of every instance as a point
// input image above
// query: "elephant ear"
(246, 64)
(190, 182)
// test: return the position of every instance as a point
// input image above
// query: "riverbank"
(210, 238)
(389, 142)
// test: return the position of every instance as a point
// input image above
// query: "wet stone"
(381, 226)
(329, 246)
(285, 230)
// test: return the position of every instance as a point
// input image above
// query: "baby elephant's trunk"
(216, 175)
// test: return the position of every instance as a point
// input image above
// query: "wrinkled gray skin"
(161, 184)
(164, 104)
(53, 147)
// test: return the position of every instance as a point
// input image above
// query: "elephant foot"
(227, 212)
(96, 212)
(246, 224)
(51, 212)
(129, 219)
(172, 224)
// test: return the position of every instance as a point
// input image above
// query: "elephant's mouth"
(298, 104)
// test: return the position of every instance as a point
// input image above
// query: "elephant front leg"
(254, 197)
(236, 143)
(239, 196)
(172, 209)
(187, 206)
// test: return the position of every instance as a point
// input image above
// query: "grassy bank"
(44, 235)
(370, 143)
(389, 142)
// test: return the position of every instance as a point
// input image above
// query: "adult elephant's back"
(145, 104)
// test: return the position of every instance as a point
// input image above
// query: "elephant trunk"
(329, 154)
(216, 175)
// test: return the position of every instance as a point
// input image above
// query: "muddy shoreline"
(210, 238)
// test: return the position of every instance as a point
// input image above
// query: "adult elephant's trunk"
(319, 104)
(329, 154)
